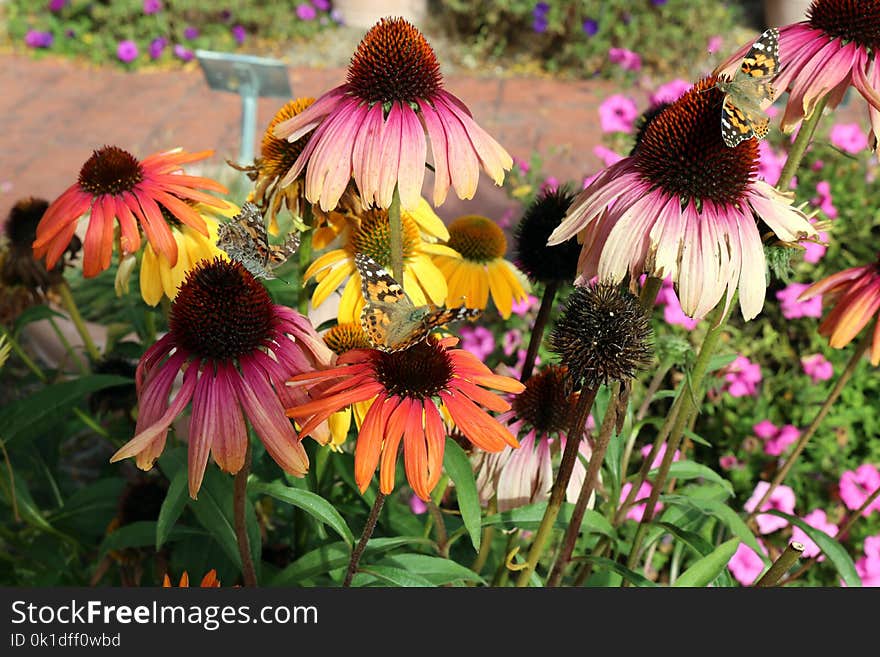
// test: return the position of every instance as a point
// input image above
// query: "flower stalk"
(358, 551)
(239, 504)
(799, 147)
(70, 306)
(537, 335)
(785, 561)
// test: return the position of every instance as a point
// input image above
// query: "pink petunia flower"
(608, 158)
(510, 341)
(714, 44)
(819, 520)
(823, 201)
(770, 163)
(626, 59)
(849, 137)
(617, 113)
(644, 451)
(670, 91)
(636, 511)
(782, 499)
(672, 312)
(817, 367)
(478, 340)
(746, 564)
(742, 377)
(729, 462)
(375, 128)
(868, 566)
(522, 307)
(857, 485)
(792, 308)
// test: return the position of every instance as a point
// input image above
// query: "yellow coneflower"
(341, 339)
(478, 267)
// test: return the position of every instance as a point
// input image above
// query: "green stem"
(537, 335)
(502, 573)
(304, 253)
(83, 368)
(485, 541)
(649, 293)
(365, 537)
(440, 528)
(799, 147)
(689, 405)
(814, 425)
(239, 506)
(557, 493)
(396, 234)
(785, 561)
(589, 485)
(75, 316)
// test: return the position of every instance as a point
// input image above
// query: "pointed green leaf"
(436, 570)
(391, 576)
(832, 549)
(458, 466)
(313, 504)
(317, 562)
(530, 515)
(692, 470)
(623, 571)
(704, 570)
(172, 507)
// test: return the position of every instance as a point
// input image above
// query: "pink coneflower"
(540, 416)
(236, 350)
(373, 128)
(835, 48)
(407, 389)
(684, 205)
(854, 295)
(114, 186)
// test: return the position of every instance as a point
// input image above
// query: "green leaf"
(458, 466)
(697, 439)
(718, 361)
(392, 576)
(529, 517)
(213, 510)
(89, 510)
(318, 561)
(27, 508)
(832, 549)
(384, 544)
(692, 470)
(172, 507)
(33, 413)
(313, 504)
(704, 570)
(723, 513)
(693, 540)
(436, 570)
(34, 314)
(623, 571)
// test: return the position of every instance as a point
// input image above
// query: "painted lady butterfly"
(742, 114)
(390, 319)
(245, 240)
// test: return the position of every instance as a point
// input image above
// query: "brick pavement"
(55, 112)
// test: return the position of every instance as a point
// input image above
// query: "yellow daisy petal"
(430, 278)
(427, 220)
(329, 282)
(324, 261)
(412, 288)
(151, 283)
(339, 422)
(502, 294)
(351, 302)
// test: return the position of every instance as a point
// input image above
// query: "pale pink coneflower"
(373, 128)
(686, 206)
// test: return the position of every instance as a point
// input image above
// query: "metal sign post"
(250, 77)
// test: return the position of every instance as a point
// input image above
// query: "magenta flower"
(183, 53)
(823, 200)
(417, 505)
(56, 5)
(769, 163)
(190, 33)
(321, 5)
(672, 312)
(152, 6)
(683, 205)
(522, 307)
(239, 33)
(868, 567)
(849, 137)
(478, 340)
(236, 350)
(782, 499)
(608, 158)
(550, 184)
(817, 367)
(373, 128)
(746, 564)
(714, 44)
(626, 59)
(670, 92)
(305, 12)
(617, 113)
(510, 341)
(644, 451)
(792, 308)
(729, 462)
(815, 249)
(127, 51)
(37, 39)
(857, 485)
(776, 439)
(637, 511)
(741, 377)
(819, 520)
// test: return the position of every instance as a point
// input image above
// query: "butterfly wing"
(387, 314)
(742, 114)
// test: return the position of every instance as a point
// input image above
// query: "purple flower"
(337, 17)
(672, 311)
(511, 340)
(127, 51)
(714, 44)
(152, 6)
(157, 46)
(182, 52)
(607, 156)
(69, 33)
(658, 3)
(239, 33)
(794, 309)
(321, 5)
(190, 33)
(658, 460)
(617, 113)
(590, 27)
(539, 24)
(57, 5)
(225, 15)
(817, 367)
(37, 39)
(868, 567)
(416, 505)
(540, 10)
(521, 308)
(306, 12)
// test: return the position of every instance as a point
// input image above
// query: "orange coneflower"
(855, 296)
(114, 186)
(209, 581)
(407, 389)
